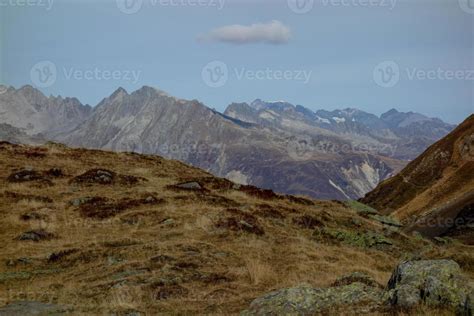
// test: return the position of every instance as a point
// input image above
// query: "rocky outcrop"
(305, 300)
(434, 283)
(431, 282)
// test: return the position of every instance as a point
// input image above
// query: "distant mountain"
(15, 135)
(405, 134)
(275, 145)
(31, 111)
(434, 194)
(150, 121)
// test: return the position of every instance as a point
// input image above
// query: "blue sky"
(332, 56)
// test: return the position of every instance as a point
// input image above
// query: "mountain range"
(340, 154)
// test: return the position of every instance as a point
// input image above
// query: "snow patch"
(267, 115)
(338, 188)
(323, 120)
(339, 119)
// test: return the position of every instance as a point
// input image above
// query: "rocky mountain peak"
(120, 92)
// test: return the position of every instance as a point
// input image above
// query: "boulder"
(305, 300)
(189, 186)
(24, 176)
(35, 235)
(432, 282)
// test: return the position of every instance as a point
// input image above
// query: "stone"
(35, 235)
(189, 186)
(305, 300)
(168, 222)
(431, 282)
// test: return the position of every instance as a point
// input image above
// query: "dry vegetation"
(107, 232)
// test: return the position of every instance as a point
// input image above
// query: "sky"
(412, 55)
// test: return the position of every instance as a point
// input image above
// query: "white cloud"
(273, 32)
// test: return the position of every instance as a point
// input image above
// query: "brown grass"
(173, 257)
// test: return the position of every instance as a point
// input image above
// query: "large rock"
(433, 282)
(305, 300)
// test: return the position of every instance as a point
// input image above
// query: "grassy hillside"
(103, 232)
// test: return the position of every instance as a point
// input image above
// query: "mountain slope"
(434, 194)
(15, 135)
(105, 233)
